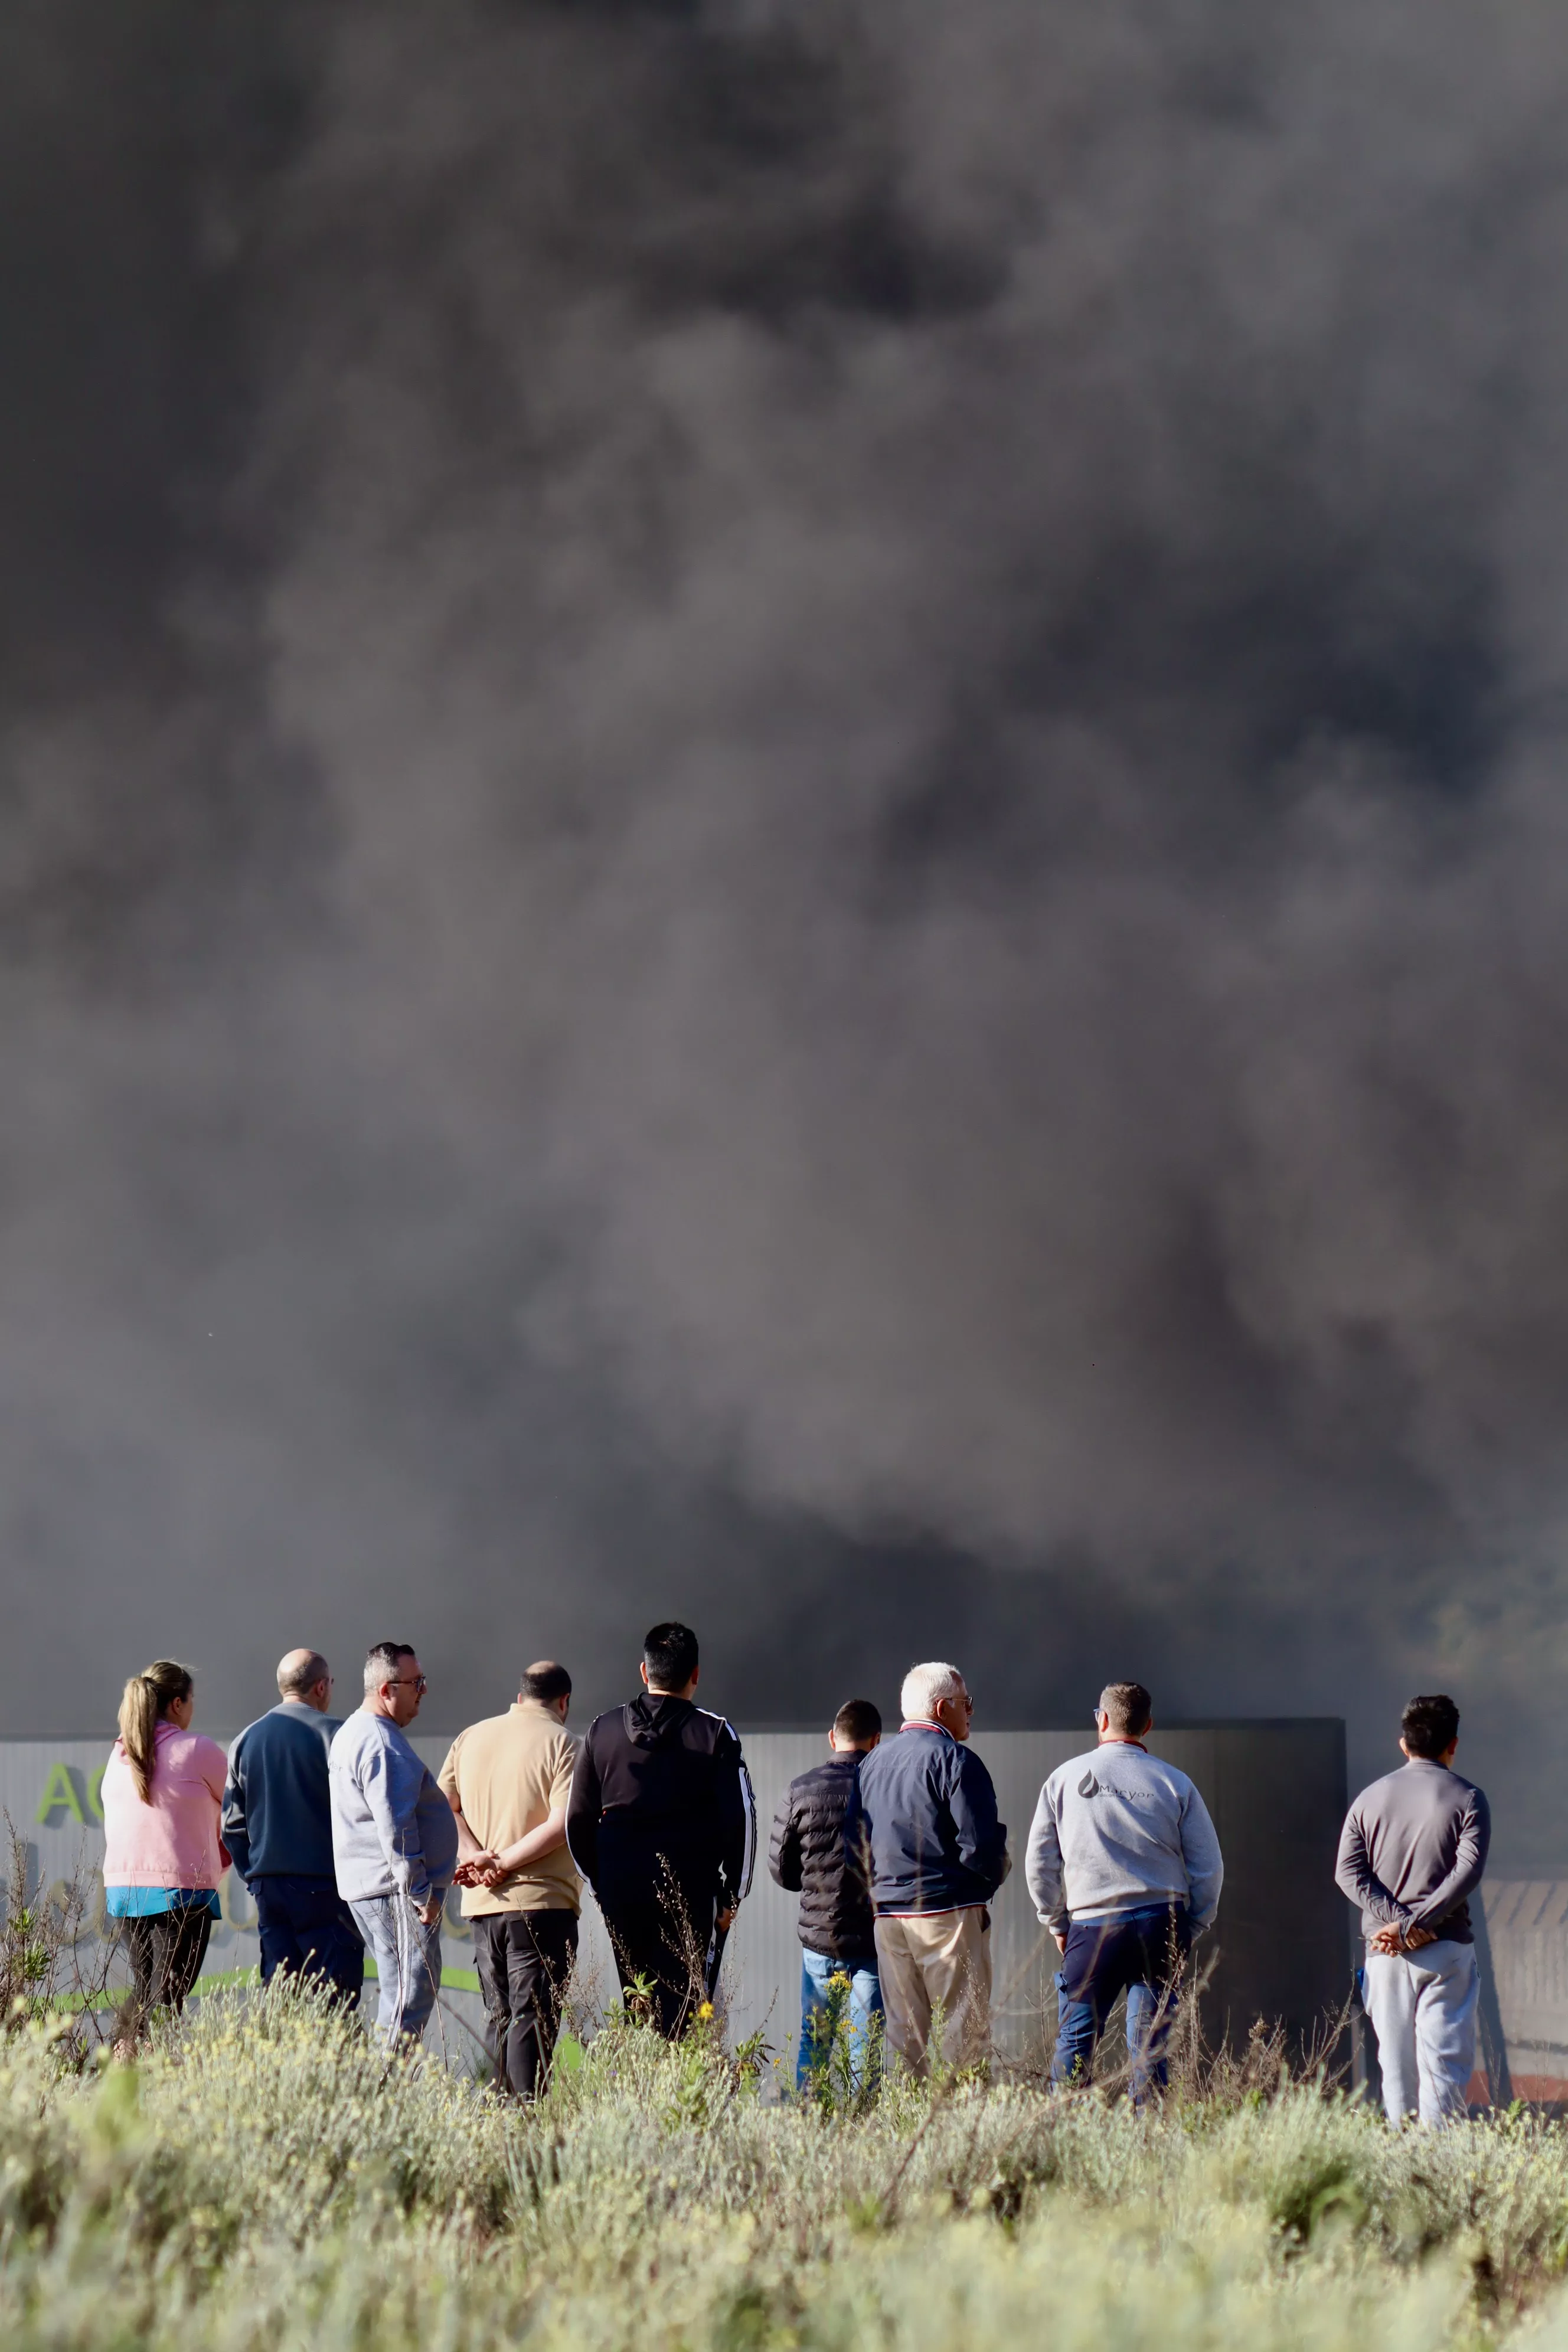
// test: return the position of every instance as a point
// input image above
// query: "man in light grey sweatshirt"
(394, 1842)
(1411, 1855)
(1125, 1870)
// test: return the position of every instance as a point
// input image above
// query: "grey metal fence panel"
(1282, 1944)
(762, 1963)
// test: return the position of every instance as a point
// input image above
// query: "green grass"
(261, 2178)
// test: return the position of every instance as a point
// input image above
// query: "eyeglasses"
(409, 1682)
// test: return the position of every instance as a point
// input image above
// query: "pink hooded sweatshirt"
(173, 1840)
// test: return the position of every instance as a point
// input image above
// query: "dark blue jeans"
(1141, 1954)
(307, 1929)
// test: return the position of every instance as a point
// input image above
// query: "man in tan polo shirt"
(507, 1780)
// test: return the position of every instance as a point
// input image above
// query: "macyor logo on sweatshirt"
(1089, 1787)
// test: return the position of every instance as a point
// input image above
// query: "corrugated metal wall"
(1527, 1946)
(1276, 1790)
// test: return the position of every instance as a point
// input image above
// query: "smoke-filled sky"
(784, 839)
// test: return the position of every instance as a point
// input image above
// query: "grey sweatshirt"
(1412, 1848)
(1117, 1831)
(393, 1830)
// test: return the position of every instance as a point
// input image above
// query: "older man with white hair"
(924, 1828)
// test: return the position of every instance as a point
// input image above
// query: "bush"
(264, 2177)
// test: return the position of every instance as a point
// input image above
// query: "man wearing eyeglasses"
(278, 1826)
(394, 1842)
(923, 1829)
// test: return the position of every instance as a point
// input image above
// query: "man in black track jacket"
(662, 1824)
(808, 1857)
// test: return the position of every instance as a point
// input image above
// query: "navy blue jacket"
(277, 1815)
(925, 1820)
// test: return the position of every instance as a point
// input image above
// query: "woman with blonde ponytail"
(162, 1792)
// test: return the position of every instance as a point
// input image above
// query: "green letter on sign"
(61, 1796)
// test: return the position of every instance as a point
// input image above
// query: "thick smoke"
(784, 836)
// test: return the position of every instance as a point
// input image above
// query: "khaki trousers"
(937, 1959)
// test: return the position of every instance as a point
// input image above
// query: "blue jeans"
(407, 1957)
(307, 1929)
(865, 2002)
(1139, 1953)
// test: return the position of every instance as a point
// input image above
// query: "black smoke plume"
(783, 838)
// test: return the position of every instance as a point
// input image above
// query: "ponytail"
(144, 1705)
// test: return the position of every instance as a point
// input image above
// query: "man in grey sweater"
(1411, 1853)
(394, 1842)
(1125, 1870)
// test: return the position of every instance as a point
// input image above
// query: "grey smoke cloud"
(804, 852)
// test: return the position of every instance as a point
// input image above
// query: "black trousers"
(307, 1929)
(524, 1958)
(666, 1945)
(166, 1954)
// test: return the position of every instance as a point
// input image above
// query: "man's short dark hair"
(669, 1653)
(546, 1681)
(1429, 1726)
(859, 1721)
(1129, 1708)
(381, 1663)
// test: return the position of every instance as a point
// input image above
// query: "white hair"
(923, 1685)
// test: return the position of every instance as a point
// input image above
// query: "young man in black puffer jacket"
(807, 1856)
